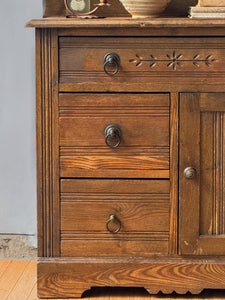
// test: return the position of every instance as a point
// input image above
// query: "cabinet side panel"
(47, 140)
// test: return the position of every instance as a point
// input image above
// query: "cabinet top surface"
(62, 22)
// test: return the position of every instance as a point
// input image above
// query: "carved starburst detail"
(174, 61)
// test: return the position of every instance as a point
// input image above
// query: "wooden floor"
(18, 282)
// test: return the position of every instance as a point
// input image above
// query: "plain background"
(17, 117)
(17, 114)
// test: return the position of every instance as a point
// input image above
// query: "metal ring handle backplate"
(111, 63)
(113, 218)
(113, 132)
(99, 5)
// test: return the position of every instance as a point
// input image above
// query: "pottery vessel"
(145, 8)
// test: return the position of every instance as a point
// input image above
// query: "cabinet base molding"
(70, 277)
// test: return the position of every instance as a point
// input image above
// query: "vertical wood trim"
(174, 110)
(46, 144)
(189, 156)
(55, 141)
(218, 149)
(46, 96)
(206, 186)
(39, 143)
(223, 174)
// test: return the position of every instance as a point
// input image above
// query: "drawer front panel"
(142, 60)
(144, 123)
(141, 206)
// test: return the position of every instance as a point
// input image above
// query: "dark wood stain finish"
(169, 100)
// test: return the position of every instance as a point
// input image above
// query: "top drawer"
(142, 60)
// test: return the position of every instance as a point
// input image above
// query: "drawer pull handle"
(112, 136)
(114, 219)
(189, 173)
(111, 63)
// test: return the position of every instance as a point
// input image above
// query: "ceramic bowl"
(145, 8)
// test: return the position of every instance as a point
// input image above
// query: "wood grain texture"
(142, 59)
(142, 207)
(144, 123)
(212, 207)
(127, 23)
(202, 147)
(53, 8)
(21, 290)
(3, 266)
(118, 247)
(166, 276)
(46, 124)
(10, 278)
(163, 57)
(55, 143)
(189, 157)
(139, 216)
(25, 283)
(174, 167)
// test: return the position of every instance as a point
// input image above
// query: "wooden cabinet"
(202, 215)
(130, 155)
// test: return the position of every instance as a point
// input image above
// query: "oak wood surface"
(176, 100)
(25, 283)
(144, 123)
(141, 207)
(174, 161)
(62, 22)
(22, 290)
(10, 277)
(159, 275)
(189, 157)
(158, 60)
(202, 147)
(47, 141)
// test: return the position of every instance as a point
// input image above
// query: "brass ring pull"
(113, 218)
(113, 136)
(111, 63)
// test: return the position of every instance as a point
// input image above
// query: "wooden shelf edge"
(63, 22)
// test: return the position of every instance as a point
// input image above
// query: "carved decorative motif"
(173, 61)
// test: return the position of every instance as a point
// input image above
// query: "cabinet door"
(202, 154)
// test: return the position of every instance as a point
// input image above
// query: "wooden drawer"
(144, 123)
(141, 206)
(142, 60)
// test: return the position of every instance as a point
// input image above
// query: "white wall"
(17, 117)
